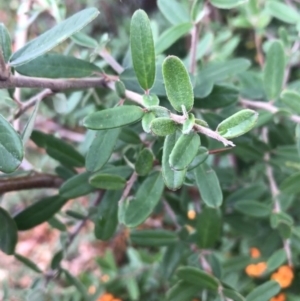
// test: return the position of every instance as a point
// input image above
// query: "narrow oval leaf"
(142, 49)
(5, 42)
(53, 37)
(182, 291)
(253, 208)
(39, 212)
(297, 135)
(232, 294)
(198, 277)
(150, 100)
(11, 147)
(8, 233)
(144, 162)
(264, 292)
(84, 40)
(237, 124)
(282, 12)
(173, 178)
(201, 156)
(188, 124)
(107, 181)
(147, 197)
(113, 117)
(153, 238)
(56, 65)
(170, 36)
(163, 126)
(227, 4)
(78, 284)
(178, 84)
(277, 259)
(147, 120)
(208, 185)
(63, 152)
(291, 99)
(101, 149)
(173, 11)
(273, 73)
(184, 151)
(30, 264)
(291, 184)
(30, 124)
(76, 186)
(106, 220)
(208, 227)
(56, 260)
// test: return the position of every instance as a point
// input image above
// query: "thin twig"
(4, 73)
(111, 61)
(128, 187)
(53, 84)
(267, 107)
(171, 214)
(37, 180)
(193, 49)
(259, 53)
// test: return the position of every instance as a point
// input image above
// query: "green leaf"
(208, 228)
(55, 65)
(297, 134)
(113, 117)
(120, 89)
(63, 152)
(173, 178)
(208, 185)
(274, 70)
(292, 100)
(76, 186)
(221, 96)
(106, 221)
(153, 238)
(174, 11)
(84, 40)
(107, 181)
(142, 49)
(227, 4)
(178, 84)
(30, 124)
(198, 277)
(147, 197)
(237, 124)
(182, 291)
(39, 212)
(282, 12)
(184, 151)
(264, 292)
(5, 42)
(201, 156)
(11, 147)
(30, 264)
(150, 100)
(253, 208)
(56, 259)
(78, 284)
(188, 124)
(170, 36)
(232, 294)
(101, 149)
(163, 126)
(144, 162)
(129, 136)
(277, 259)
(291, 184)
(8, 233)
(53, 37)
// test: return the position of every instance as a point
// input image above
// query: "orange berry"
(256, 270)
(280, 297)
(254, 253)
(282, 279)
(286, 270)
(191, 214)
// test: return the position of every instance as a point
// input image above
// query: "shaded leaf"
(292, 100)
(53, 37)
(153, 238)
(253, 208)
(264, 292)
(5, 42)
(30, 264)
(107, 181)
(144, 162)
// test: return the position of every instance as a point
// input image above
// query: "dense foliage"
(179, 134)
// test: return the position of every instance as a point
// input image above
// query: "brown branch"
(36, 181)
(52, 84)
(128, 187)
(193, 49)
